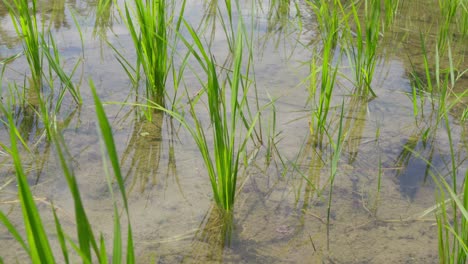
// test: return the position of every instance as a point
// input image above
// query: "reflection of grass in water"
(143, 152)
(213, 236)
(145, 144)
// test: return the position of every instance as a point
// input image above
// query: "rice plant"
(36, 242)
(452, 223)
(361, 49)
(24, 21)
(337, 147)
(223, 165)
(51, 52)
(328, 70)
(36, 46)
(329, 23)
(149, 35)
(391, 10)
(324, 76)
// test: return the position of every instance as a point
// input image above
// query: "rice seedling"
(337, 147)
(448, 12)
(328, 20)
(24, 21)
(391, 10)
(463, 18)
(282, 23)
(53, 57)
(452, 231)
(149, 35)
(436, 83)
(35, 48)
(318, 125)
(329, 26)
(223, 165)
(36, 242)
(151, 24)
(361, 49)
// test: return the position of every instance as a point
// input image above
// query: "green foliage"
(222, 160)
(149, 35)
(37, 246)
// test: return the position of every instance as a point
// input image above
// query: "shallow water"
(278, 217)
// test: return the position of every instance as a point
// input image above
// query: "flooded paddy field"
(353, 114)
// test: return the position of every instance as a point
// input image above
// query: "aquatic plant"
(391, 10)
(319, 117)
(452, 223)
(337, 147)
(36, 242)
(51, 52)
(329, 23)
(35, 47)
(361, 48)
(24, 21)
(223, 165)
(322, 64)
(149, 35)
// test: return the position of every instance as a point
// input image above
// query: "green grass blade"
(83, 227)
(41, 252)
(61, 237)
(106, 131)
(11, 228)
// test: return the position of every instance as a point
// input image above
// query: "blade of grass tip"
(117, 245)
(106, 131)
(103, 252)
(130, 249)
(459, 238)
(60, 236)
(78, 28)
(77, 249)
(41, 252)
(11, 228)
(106, 134)
(117, 251)
(86, 238)
(198, 43)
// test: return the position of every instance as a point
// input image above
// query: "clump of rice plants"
(329, 24)
(24, 21)
(361, 49)
(37, 48)
(149, 35)
(222, 160)
(452, 222)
